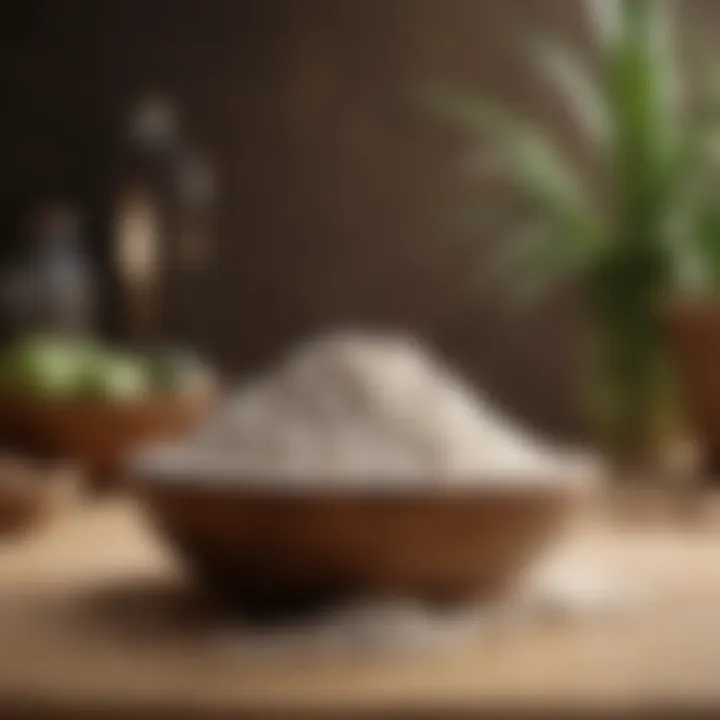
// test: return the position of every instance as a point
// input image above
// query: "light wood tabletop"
(95, 614)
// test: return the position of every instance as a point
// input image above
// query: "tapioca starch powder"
(370, 405)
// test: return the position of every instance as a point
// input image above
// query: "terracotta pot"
(260, 546)
(694, 334)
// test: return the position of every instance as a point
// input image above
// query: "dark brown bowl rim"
(159, 399)
(358, 488)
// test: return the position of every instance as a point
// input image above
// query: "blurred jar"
(141, 217)
(62, 279)
(162, 218)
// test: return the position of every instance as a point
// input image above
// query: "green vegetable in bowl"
(54, 368)
(44, 368)
(115, 378)
(177, 371)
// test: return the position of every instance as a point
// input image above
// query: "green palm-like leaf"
(534, 254)
(659, 203)
(536, 166)
(530, 251)
(641, 80)
(605, 18)
(584, 98)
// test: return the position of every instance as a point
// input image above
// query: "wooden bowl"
(264, 545)
(30, 496)
(98, 435)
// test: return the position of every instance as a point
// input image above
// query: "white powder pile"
(363, 405)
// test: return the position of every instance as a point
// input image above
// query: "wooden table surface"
(95, 614)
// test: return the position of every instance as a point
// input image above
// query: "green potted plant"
(647, 226)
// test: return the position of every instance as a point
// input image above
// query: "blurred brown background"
(336, 189)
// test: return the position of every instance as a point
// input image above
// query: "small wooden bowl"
(98, 435)
(264, 545)
(29, 495)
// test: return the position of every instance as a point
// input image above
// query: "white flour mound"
(363, 405)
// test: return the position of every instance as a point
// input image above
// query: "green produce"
(115, 378)
(178, 371)
(43, 368)
(49, 368)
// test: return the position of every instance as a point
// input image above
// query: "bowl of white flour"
(360, 464)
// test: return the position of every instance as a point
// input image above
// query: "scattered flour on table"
(569, 591)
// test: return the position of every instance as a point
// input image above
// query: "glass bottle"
(63, 274)
(141, 219)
